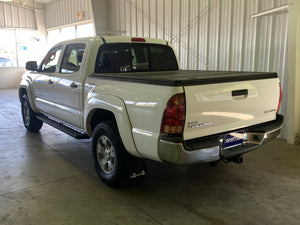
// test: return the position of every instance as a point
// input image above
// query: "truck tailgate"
(222, 107)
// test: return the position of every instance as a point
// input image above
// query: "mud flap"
(137, 169)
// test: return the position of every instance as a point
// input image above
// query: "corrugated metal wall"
(63, 12)
(211, 34)
(14, 16)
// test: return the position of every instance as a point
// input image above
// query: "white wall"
(63, 12)
(212, 34)
(294, 73)
(101, 16)
(10, 77)
(297, 79)
(16, 16)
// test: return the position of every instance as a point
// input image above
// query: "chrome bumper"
(176, 153)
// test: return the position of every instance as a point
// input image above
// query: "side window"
(49, 63)
(72, 58)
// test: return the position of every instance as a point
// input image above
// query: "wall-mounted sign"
(80, 15)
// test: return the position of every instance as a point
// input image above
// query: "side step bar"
(68, 130)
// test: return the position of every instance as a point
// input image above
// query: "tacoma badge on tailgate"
(196, 124)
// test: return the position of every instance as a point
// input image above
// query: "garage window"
(86, 30)
(29, 47)
(8, 56)
(19, 46)
(70, 32)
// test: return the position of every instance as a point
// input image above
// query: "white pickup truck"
(129, 95)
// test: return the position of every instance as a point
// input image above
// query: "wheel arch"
(25, 88)
(97, 116)
(105, 108)
(22, 91)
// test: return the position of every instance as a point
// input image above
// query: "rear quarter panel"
(145, 105)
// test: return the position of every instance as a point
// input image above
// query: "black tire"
(114, 165)
(30, 121)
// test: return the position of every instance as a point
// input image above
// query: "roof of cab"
(116, 39)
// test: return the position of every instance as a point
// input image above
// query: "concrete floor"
(49, 178)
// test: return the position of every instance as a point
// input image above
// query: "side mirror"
(31, 65)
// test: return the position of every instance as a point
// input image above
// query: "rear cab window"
(128, 57)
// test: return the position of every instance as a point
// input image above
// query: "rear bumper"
(180, 153)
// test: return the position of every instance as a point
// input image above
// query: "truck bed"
(186, 77)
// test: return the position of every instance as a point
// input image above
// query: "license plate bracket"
(233, 139)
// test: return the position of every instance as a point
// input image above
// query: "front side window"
(49, 63)
(72, 58)
(126, 57)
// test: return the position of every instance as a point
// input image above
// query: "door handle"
(50, 82)
(73, 85)
(239, 93)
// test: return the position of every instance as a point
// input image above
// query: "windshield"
(126, 57)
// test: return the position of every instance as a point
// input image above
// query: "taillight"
(280, 97)
(174, 115)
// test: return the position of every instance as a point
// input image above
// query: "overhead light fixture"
(5, 0)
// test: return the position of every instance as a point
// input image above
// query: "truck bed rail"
(185, 77)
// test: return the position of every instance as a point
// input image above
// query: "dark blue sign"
(233, 139)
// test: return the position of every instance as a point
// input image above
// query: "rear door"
(44, 81)
(67, 90)
(223, 107)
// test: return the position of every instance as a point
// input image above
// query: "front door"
(44, 81)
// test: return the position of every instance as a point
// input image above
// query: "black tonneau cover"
(186, 77)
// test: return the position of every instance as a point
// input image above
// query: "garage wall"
(10, 77)
(293, 134)
(211, 34)
(63, 12)
(14, 16)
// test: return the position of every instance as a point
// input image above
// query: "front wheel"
(112, 162)
(30, 121)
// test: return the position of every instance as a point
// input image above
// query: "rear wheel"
(112, 162)
(29, 116)
(106, 155)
